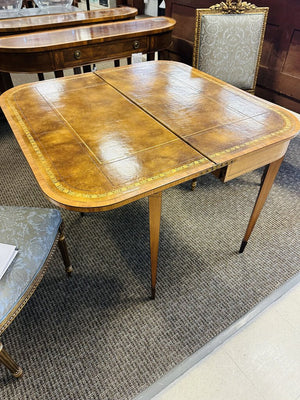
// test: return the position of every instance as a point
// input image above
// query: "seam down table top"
(100, 140)
(103, 139)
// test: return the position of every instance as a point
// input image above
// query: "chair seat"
(34, 232)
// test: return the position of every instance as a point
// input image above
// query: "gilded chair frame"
(5, 357)
(230, 7)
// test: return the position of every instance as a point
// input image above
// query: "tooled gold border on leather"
(61, 188)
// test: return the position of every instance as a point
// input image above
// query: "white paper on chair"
(7, 253)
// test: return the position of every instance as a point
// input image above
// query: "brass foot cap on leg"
(243, 245)
(18, 373)
(69, 270)
(152, 293)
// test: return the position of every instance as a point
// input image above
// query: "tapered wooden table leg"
(9, 363)
(269, 177)
(154, 224)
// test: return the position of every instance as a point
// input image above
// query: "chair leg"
(9, 363)
(194, 184)
(64, 251)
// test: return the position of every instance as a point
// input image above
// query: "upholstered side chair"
(35, 232)
(228, 43)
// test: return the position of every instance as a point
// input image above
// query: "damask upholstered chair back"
(228, 42)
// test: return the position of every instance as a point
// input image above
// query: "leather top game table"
(145, 128)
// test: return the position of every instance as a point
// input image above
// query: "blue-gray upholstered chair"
(35, 232)
(228, 43)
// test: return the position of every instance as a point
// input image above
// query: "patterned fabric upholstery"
(33, 231)
(229, 46)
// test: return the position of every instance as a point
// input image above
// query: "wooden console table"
(35, 11)
(59, 49)
(33, 20)
(139, 130)
(34, 23)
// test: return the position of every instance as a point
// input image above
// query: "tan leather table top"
(100, 140)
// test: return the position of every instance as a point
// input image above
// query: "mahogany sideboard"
(34, 23)
(33, 20)
(58, 49)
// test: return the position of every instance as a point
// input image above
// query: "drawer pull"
(77, 54)
(136, 44)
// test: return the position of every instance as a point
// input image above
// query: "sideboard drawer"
(84, 55)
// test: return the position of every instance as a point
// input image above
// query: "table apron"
(254, 160)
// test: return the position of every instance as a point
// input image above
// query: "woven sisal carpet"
(97, 336)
